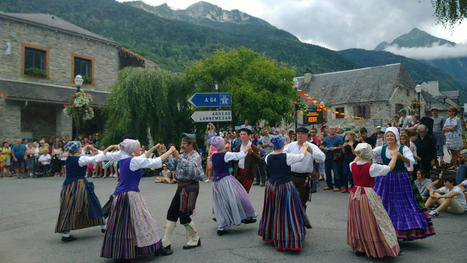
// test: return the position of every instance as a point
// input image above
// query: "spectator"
(209, 133)
(2, 164)
(374, 136)
(285, 136)
(426, 148)
(263, 171)
(246, 125)
(165, 176)
(450, 198)
(423, 184)
(276, 130)
(266, 140)
(349, 155)
(6, 152)
(452, 129)
(438, 123)
(18, 151)
(364, 137)
(257, 128)
(395, 121)
(332, 146)
(404, 120)
(380, 139)
(30, 158)
(292, 136)
(56, 163)
(314, 136)
(44, 162)
(461, 174)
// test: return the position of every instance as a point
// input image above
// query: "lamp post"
(418, 89)
(78, 82)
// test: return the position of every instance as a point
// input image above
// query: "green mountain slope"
(172, 43)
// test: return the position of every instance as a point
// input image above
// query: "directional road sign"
(211, 100)
(212, 116)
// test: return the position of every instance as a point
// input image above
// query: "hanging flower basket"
(79, 107)
(414, 104)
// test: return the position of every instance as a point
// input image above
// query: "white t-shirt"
(460, 197)
(45, 159)
(464, 183)
(165, 173)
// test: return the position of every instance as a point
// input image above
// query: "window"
(362, 111)
(83, 67)
(399, 107)
(340, 110)
(35, 62)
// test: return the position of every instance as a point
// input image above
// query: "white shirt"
(45, 159)
(230, 156)
(406, 152)
(464, 183)
(305, 165)
(241, 162)
(375, 169)
(136, 163)
(460, 197)
(291, 158)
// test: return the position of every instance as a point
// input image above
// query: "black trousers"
(302, 188)
(174, 211)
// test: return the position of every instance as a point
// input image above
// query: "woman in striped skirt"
(131, 230)
(369, 229)
(79, 205)
(283, 219)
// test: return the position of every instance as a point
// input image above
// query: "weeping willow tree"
(143, 103)
(450, 12)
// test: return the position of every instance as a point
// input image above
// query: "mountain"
(176, 43)
(456, 67)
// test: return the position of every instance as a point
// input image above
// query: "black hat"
(302, 129)
(245, 130)
(188, 137)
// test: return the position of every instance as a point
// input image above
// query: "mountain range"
(177, 38)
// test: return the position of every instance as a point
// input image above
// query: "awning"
(42, 92)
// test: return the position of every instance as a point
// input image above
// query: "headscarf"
(277, 142)
(395, 131)
(363, 150)
(72, 146)
(218, 142)
(129, 145)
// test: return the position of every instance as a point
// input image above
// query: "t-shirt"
(460, 197)
(464, 183)
(165, 173)
(46, 158)
(18, 150)
(329, 142)
(421, 187)
(438, 123)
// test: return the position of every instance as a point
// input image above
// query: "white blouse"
(375, 169)
(406, 152)
(291, 158)
(136, 163)
(231, 156)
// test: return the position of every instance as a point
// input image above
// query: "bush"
(36, 72)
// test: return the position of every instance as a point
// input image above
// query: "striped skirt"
(231, 203)
(409, 220)
(284, 219)
(131, 230)
(79, 207)
(366, 233)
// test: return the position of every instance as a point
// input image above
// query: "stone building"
(431, 97)
(374, 93)
(40, 56)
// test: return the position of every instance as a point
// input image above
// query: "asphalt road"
(29, 208)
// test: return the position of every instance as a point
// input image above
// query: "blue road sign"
(211, 100)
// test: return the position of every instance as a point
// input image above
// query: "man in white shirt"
(405, 120)
(301, 171)
(246, 125)
(245, 169)
(450, 198)
(44, 162)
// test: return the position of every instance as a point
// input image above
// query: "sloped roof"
(42, 92)
(358, 85)
(52, 21)
(434, 102)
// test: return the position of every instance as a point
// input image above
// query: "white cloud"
(434, 52)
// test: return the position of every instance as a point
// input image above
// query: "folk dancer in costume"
(188, 173)
(131, 230)
(79, 205)
(395, 190)
(284, 218)
(302, 171)
(369, 229)
(231, 203)
(245, 169)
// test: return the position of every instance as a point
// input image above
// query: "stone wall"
(61, 47)
(38, 119)
(10, 120)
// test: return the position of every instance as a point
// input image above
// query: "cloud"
(434, 52)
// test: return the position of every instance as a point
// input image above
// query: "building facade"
(40, 56)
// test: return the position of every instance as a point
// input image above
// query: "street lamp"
(418, 89)
(78, 82)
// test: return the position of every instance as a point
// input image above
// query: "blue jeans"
(347, 175)
(331, 165)
(439, 143)
(461, 174)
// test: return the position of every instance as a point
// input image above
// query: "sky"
(342, 24)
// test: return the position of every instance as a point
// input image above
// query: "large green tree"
(260, 89)
(142, 101)
(450, 12)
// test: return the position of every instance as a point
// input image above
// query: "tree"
(260, 89)
(142, 101)
(450, 12)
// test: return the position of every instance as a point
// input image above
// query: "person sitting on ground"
(450, 197)
(423, 184)
(463, 187)
(165, 176)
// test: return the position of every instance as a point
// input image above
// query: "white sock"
(66, 234)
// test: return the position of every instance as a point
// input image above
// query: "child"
(450, 197)
(2, 164)
(369, 228)
(164, 176)
(422, 182)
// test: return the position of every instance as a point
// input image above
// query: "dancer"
(188, 173)
(283, 219)
(131, 230)
(396, 192)
(245, 169)
(79, 205)
(369, 229)
(231, 203)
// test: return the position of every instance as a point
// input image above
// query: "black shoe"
(165, 251)
(102, 231)
(190, 247)
(214, 219)
(68, 239)
(221, 232)
(249, 221)
(359, 253)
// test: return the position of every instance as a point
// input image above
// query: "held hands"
(247, 149)
(111, 148)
